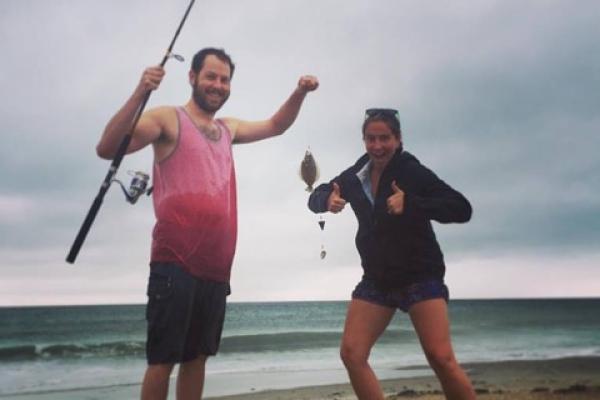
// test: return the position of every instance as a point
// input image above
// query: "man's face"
(380, 143)
(211, 84)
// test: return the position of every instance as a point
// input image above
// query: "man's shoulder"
(163, 111)
(166, 117)
(230, 124)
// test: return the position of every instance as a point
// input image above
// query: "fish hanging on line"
(309, 172)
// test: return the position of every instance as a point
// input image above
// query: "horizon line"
(301, 301)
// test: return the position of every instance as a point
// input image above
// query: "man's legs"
(185, 320)
(190, 379)
(365, 322)
(430, 319)
(156, 382)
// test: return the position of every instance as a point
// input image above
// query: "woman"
(395, 198)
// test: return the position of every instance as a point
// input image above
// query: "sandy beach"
(576, 378)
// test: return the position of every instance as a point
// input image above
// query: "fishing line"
(323, 253)
(93, 211)
(309, 172)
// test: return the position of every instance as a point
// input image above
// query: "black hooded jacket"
(398, 250)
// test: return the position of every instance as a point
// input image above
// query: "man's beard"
(201, 101)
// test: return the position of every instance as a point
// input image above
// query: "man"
(195, 206)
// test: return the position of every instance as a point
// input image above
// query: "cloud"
(499, 98)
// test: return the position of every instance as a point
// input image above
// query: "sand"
(576, 378)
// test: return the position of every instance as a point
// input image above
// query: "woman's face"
(380, 143)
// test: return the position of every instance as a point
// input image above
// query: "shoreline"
(571, 378)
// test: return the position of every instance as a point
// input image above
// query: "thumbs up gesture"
(395, 203)
(335, 203)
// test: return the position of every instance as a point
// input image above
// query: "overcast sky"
(500, 98)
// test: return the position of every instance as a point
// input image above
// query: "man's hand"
(308, 83)
(335, 203)
(151, 78)
(395, 203)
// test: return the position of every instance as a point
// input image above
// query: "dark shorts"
(185, 315)
(400, 298)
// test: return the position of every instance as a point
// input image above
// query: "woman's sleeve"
(317, 202)
(436, 200)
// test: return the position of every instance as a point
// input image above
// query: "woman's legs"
(430, 319)
(365, 322)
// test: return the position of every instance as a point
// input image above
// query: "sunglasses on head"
(388, 112)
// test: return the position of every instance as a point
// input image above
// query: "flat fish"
(309, 172)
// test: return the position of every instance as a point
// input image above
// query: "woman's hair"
(386, 115)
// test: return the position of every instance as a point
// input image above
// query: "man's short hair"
(200, 56)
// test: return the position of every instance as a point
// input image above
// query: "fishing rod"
(91, 215)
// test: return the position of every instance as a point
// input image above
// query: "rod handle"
(83, 231)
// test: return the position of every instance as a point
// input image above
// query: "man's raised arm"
(147, 129)
(250, 131)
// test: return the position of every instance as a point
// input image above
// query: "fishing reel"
(175, 56)
(137, 187)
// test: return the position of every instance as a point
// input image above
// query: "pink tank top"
(195, 203)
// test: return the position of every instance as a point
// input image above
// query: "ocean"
(276, 345)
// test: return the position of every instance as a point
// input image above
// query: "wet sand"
(576, 378)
